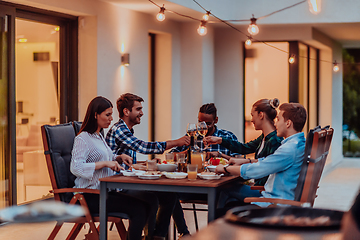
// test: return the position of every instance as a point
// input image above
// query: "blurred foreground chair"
(58, 142)
(317, 148)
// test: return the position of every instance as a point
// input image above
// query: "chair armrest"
(273, 201)
(261, 188)
(75, 190)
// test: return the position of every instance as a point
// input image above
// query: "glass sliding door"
(4, 134)
(37, 102)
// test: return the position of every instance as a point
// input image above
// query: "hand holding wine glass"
(202, 129)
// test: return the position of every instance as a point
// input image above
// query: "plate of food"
(150, 175)
(175, 175)
(286, 217)
(209, 175)
(128, 173)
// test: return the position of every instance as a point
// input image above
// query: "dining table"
(163, 184)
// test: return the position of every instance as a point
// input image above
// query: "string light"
(292, 59)
(314, 6)
(206, 16)
(202, 30)
(161, 15)
(248, 42)
(336, 67)
(253, 29)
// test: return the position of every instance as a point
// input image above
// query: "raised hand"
(212, 140)
(126, 159)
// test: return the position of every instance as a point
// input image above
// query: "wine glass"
(191, 131)
(202, 129)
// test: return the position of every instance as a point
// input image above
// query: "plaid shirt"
(215, 147)
(122, 140)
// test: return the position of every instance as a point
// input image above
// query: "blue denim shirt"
(283, 166)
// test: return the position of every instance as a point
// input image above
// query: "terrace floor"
(338, 188)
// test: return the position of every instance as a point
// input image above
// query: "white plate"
(209, 177)
(148, 177)
(132, 173)
(175, 175)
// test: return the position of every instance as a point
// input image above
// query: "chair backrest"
(314, 164)
(58, 142)
(302, 175)
(77, 126)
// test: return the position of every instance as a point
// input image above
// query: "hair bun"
(274, 103)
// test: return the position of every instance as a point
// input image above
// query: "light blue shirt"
(283, 166)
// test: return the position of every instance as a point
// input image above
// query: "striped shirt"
(89, 149)
(121, 140)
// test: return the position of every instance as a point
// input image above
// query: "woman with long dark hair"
(92, 159)
(263, 113)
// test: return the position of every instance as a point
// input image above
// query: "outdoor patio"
(338, 188)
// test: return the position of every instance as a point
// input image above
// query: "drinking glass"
(202, 129)
(181, 162)
(169, 157)
(192, 171)
(151, 165)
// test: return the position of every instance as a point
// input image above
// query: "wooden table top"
(172, 182)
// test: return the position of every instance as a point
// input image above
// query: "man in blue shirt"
(121, 140)
(283, 165)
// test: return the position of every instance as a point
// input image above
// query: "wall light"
(314, 6)
(125, 59)
(336, 67)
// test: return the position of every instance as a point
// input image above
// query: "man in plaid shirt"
(121, 137)
(121, 140)
(208, 114)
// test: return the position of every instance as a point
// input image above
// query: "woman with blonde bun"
(263, 113)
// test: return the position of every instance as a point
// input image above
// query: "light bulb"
(206, 16)
(292, 59)
(161, 15)
(248, 42)
(314, 6)
(202, 30)
(336, 67)
(253, 29)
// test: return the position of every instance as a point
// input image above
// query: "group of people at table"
(279, 152)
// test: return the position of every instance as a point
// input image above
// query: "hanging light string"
(226, 22)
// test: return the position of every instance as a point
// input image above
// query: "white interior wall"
(32, 77)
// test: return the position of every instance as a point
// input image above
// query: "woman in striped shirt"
(93, 159)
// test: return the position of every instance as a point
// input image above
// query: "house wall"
(203, 69)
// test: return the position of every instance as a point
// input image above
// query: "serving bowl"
(166, 167)
(211, 168)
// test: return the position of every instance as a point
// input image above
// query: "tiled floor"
(337, 191)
